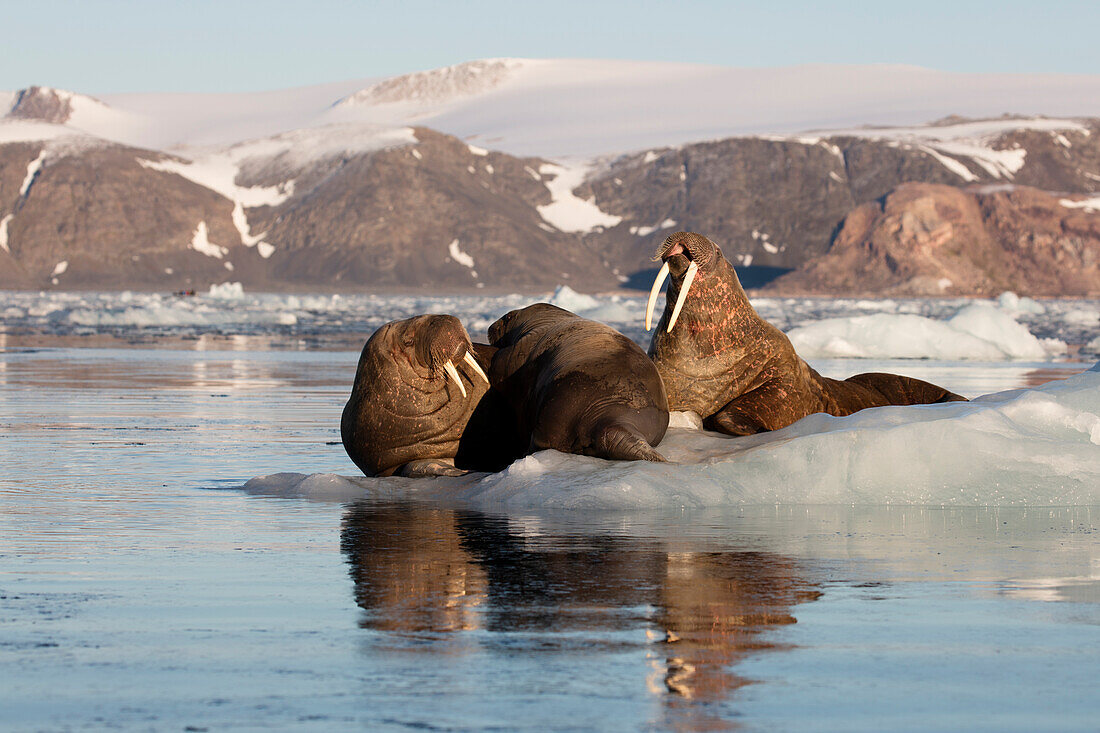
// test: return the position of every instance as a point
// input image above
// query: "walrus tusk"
(469, 359)
(662, 274)
(449, 367)
(688, 279)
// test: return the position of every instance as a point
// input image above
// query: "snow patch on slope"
(33, 169)
(4, 233)
(200, 242)
(567, 212)
(1089, 204)
(461, 257)
(968, 140)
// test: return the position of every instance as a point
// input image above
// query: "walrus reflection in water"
(578, 386)
(421, 403)
(721, 360)
(431, 573)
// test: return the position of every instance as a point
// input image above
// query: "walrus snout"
(439, 342)
(692, 246)
(678, 264)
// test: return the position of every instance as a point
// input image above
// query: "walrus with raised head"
(721, 360)
(578, 386)
(421, 403)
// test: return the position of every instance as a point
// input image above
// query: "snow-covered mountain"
(536, 171)
(584, 108)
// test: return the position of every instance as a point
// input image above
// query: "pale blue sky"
(103, 46)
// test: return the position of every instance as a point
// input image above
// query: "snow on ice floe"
(977, 332)
(1031, 447)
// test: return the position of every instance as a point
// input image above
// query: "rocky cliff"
(933, 239)
(780, 202)
(350, 206)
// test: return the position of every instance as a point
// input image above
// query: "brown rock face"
(42, 104)
(437, 214)
(433, 214)
(926, 239)
(780, 203)
(117, 224)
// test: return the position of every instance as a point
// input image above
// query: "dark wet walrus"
(421, 403)
(720, 359)
(578, 386)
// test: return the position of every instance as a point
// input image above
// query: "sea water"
(184, 545)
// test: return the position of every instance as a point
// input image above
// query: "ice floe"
(977, 332)
(1008, 329)
(1022, 447)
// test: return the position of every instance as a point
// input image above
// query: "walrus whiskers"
(689, 277)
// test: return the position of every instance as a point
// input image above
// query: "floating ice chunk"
(587, 306)
(569, 299)
(977, 332)
(1001, 329)
(226, 291)
(1012, 302)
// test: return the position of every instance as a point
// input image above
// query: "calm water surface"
(141, 589)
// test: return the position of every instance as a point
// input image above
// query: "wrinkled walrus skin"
(578, 386)
(407, 415)
(739, 372)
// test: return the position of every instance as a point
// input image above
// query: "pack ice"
(1021, 447)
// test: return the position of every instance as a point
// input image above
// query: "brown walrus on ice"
(578, 386)
(719, 359)
(414, 412)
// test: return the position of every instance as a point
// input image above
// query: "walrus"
(413, 412)
(721, 360)
(578, 386)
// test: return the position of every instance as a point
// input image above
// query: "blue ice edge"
(1024, 447)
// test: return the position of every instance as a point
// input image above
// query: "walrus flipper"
(427, 467)
(622, 443)
(900, 390)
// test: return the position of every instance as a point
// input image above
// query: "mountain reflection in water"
(444, 581)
